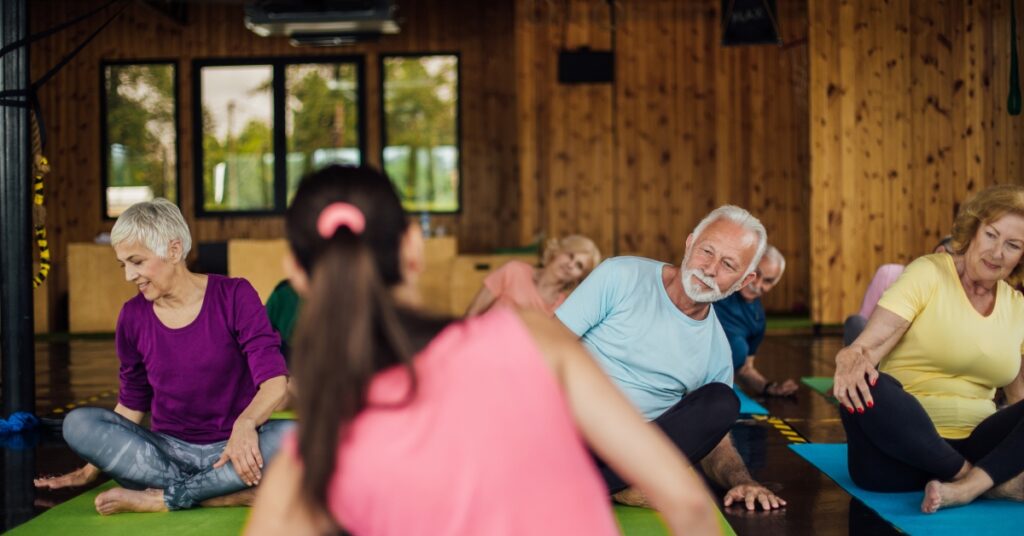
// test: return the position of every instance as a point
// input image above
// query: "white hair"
(774, 254)
(154, 224)
(744, 219)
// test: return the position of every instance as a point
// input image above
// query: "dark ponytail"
(350, 327)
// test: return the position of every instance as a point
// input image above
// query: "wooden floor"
(85, 371)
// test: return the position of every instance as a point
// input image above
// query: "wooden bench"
(260, 261)
(96, 288)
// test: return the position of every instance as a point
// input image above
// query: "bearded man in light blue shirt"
(651, 328)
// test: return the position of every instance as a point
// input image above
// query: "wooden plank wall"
(908, 119)
(688, 125)
(71, 101)
(901, 103)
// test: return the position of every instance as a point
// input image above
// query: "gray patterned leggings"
(138, 458)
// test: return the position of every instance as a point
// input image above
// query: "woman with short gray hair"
(197, 353)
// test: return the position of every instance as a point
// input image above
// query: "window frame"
(104, 141)
(458, 118)
(278, 65)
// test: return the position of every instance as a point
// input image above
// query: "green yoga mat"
(821, 384)
(78, 516)
(645, 522)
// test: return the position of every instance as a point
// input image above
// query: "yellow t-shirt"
(952, 358)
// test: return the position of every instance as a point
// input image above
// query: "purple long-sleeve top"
(196, 380)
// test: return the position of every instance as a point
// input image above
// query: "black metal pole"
(19, 466)
(16, 347)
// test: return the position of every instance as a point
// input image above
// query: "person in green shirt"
(283, 309)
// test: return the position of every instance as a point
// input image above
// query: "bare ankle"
(244, 497)
(964, 469)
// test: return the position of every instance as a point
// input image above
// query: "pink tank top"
(487, 447)
(512, 285)
(885, 276)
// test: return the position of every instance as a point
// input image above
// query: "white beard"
(695, 292)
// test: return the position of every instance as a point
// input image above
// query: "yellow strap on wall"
(40, 167)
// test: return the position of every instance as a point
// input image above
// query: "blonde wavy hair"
(575, 244)
(986, 207)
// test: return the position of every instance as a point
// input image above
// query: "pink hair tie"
(340, 215)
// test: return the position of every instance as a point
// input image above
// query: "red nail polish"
(850, 409)
(871, 403)
(860, 410)
(873, 382)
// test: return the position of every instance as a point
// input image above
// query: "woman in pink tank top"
(565, 263)
(410, 424)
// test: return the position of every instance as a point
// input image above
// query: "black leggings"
(895, 447)
(696, 425)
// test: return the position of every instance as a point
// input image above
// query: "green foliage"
(323, 117)
(140, 120)
(249, 157)
(323, 113)
(420, 105)
(246, 155)
(213, 153)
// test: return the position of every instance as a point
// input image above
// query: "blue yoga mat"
(903, 510)
(747, 405)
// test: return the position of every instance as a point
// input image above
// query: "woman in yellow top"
(947, 334)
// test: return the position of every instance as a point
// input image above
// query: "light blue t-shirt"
(645, 344)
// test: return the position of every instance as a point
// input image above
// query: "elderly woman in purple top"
(197, 352)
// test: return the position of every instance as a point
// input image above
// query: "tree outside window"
(322, 118)
(140, 134)
(238, 141)
(421, 135)
(267, 122)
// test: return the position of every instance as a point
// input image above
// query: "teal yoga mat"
(78, 516)
(903, 510)
(748, 406)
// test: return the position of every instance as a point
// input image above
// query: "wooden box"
(96, 288)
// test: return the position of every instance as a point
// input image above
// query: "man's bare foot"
(119, 500)
(238, 498)
(632, 497)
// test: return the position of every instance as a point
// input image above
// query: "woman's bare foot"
(970, 483)
(632, 497)
(238, 498)
(938, 495)
(119, 500)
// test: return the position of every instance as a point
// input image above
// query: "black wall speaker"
(585, 66)
(750, 22)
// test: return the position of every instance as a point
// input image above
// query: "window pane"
(238, 141)
(322, 120)
(421, 152)
(141, 145)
